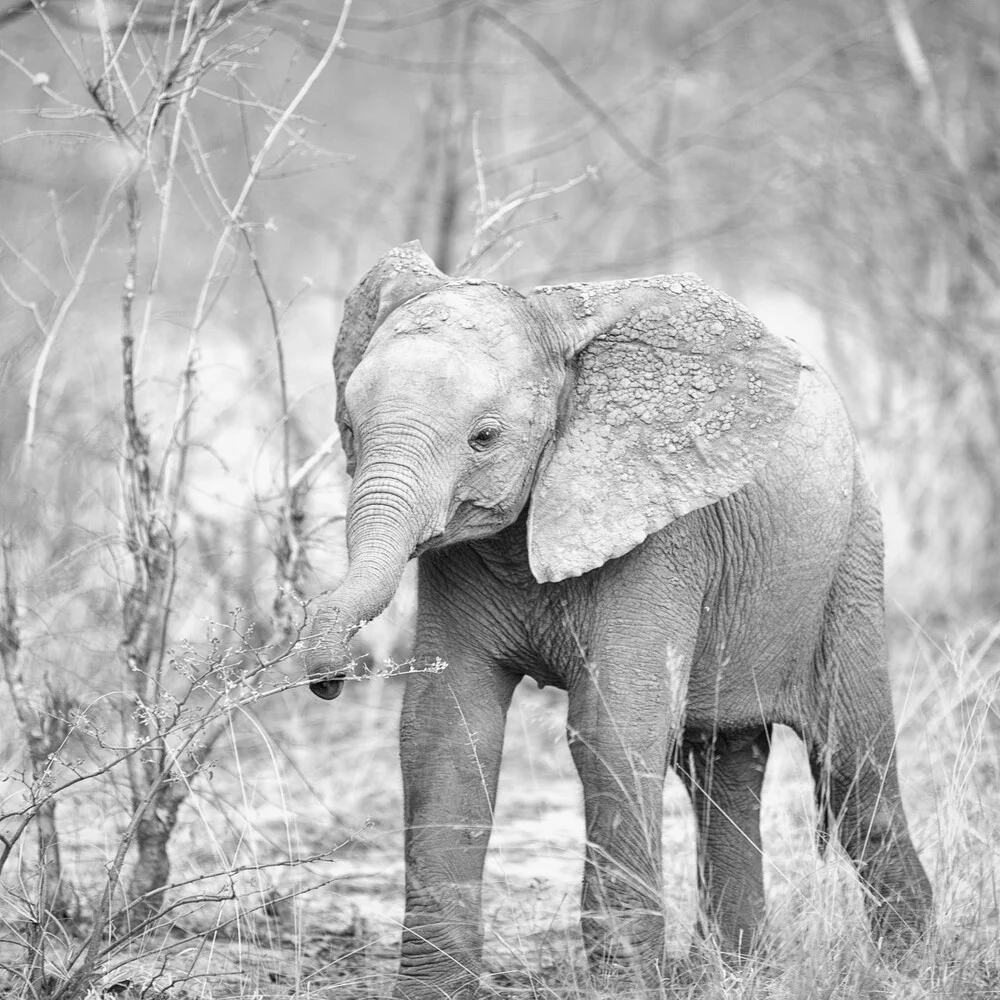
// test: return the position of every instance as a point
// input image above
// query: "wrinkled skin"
(634, 492)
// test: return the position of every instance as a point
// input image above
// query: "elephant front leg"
(451, 738)
(620, 736)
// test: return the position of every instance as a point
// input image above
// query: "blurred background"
(834, 164)
(188, 190)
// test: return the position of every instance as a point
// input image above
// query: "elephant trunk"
(382, 532)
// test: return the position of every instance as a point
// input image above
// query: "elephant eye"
(484, 437)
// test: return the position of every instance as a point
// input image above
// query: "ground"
(310, 777)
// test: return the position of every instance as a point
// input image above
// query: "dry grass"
(304, 778)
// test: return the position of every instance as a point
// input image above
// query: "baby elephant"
(635, 492)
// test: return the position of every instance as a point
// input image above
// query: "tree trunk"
(151, 875)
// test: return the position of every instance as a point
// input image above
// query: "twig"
(60, 235)
(916, 64)
(43, 12)
(455, 114)
(481, 245)
(978, 240)
(315, 460)
(411, 20)
(482, 204)
(289, 550)
(235, 212)
(166, 191)
(104, 223)
(31, 306)
(41, 81)
(555, 69)
(44, 735)
(26, 263)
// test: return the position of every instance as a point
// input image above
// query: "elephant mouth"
(434, 542)
(468, 521)
(328, 688)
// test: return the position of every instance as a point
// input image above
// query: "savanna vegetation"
(188, 189)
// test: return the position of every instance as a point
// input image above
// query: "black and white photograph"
(499, 499)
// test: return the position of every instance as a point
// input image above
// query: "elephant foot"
(900, 902)
(732, 945)
(670, 977)
(411, 988)
(621, 969)
(708, 958)
(903, 948)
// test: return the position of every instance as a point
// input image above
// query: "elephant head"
(610, 408)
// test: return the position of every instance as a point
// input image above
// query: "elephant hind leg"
(858, 795)
(724, 773)
(852, 753)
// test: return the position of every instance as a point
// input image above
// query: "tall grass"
(300, 826)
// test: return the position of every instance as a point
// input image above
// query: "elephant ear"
(399, 276)
(677, 397)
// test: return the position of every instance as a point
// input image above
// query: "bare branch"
(978, 240)
(315, 461)
(915, 61)
(104, 221)
(555, 69)
(45, 726)
(236, 211)
(495, 228)
(32, 307)
(36, 272)
(148, 17)
(411, 20)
